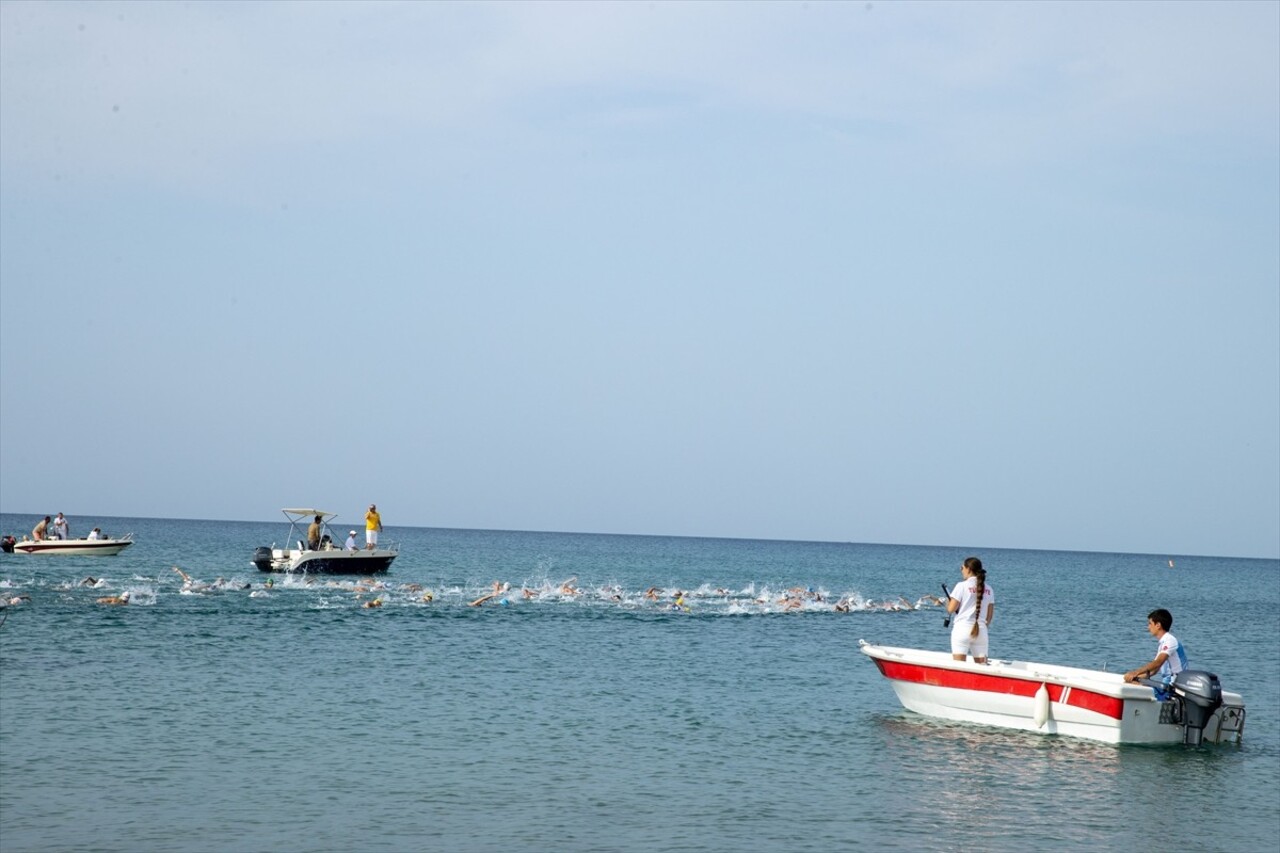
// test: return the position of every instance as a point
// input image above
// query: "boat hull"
(73, 547)
(291, 561)
(1074, 702)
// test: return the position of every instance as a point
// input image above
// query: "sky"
(970, 274)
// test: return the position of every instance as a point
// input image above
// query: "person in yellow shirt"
(372, 525)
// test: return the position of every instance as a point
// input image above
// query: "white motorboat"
(74, 547)
(328, 556)
(1049, 699)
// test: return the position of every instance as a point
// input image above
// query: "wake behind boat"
(324, 556)
(73, 547)
(1049, 699)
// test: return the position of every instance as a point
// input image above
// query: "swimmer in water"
(115, 600)
(498, 589)
(190, 584)
(377, 602)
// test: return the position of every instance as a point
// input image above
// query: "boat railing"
(332, 545)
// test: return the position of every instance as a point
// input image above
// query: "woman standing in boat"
(974, 603)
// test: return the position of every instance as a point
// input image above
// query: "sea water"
(232, 715)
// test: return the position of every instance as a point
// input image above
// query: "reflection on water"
(994, 789)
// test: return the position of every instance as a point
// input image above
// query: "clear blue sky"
(932, 273)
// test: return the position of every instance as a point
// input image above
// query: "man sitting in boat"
(94, 534)
(1171, 657)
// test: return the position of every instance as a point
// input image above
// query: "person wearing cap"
(351, 541)
(372, 524)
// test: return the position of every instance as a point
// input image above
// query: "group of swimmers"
(372, 593)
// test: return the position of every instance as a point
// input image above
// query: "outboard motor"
(1200, 695)
(262, 558)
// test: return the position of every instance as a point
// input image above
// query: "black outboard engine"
(262, 558)
(1200, 695)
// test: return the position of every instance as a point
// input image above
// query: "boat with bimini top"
(322, 555)
(1050, 699)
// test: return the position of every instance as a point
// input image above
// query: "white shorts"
(371, 537)
(964, 644)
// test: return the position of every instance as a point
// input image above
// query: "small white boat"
(328, 557)
(74, 547)
(1048, 699)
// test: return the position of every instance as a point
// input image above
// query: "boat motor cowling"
(262, 558)
(1200, 694)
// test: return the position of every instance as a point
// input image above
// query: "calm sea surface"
(291, 718)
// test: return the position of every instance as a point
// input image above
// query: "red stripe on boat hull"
(1108, 706)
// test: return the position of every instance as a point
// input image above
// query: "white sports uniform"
(962, 643)
(1175, 660)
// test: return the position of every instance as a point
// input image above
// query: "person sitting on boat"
(94, 534)
(61, 530)
(41, 531)
(351, 541)
(1171, 657)
(969, 628)
(313, 535)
